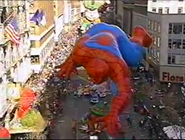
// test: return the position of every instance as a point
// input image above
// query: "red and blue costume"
(106, 52)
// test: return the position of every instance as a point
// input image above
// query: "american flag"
(11, 30)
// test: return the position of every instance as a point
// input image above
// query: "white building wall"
(15, 65)
(59, 23)
(173, 6)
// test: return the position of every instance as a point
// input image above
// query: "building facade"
(129, 14)
(59, 19)
(71, 13)
(42, 37)
(18, 61)
(15, 62)
(166, 23)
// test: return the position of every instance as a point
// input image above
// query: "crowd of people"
(59, 53)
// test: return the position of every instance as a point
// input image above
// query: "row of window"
(176, 43)
(157, 41)
(155, 26)
(176, 59)
(176, 28)
(154, 53)
(166, 10)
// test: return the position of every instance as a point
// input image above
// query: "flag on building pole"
(12, 31)
(34, 19)
(42, 19)
(39, 18)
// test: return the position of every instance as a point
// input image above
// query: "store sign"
(166, 76)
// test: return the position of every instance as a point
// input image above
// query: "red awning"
(4, 133)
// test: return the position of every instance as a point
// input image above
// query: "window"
(176, 59)
(158, 55)
(170, 28)
(155, 26)
(177, 28)
(154, 10)
(154, 53)
(158, 27)
(176, 44)
(149, 24)
(180, 10)
(158, 41)
(32, 44)
(32, 30)
(183, 43)
(167, 9)
(179, 59)
(171, 59)
(170, 43)
(152, 25)
(184, 29)
(35, 59)
(160, 10)
(155, 40)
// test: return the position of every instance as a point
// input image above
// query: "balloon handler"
(106, 53)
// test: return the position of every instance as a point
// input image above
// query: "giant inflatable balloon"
(106, 52)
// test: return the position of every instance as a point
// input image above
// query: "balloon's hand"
(67, 69)
(110, 123)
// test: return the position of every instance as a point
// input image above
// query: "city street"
(75, 108)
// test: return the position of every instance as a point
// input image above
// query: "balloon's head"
(97, 70)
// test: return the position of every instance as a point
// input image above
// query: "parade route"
(75, 108)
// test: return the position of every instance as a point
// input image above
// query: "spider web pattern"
(118, 72)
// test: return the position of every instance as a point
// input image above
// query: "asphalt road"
(75, 108)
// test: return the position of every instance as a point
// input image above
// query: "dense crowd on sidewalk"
(60, 52)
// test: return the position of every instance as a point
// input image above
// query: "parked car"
(94, 98)
(93, 137)
(136, 78)
(102, 94)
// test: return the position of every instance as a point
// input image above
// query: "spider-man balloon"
(106, 52)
